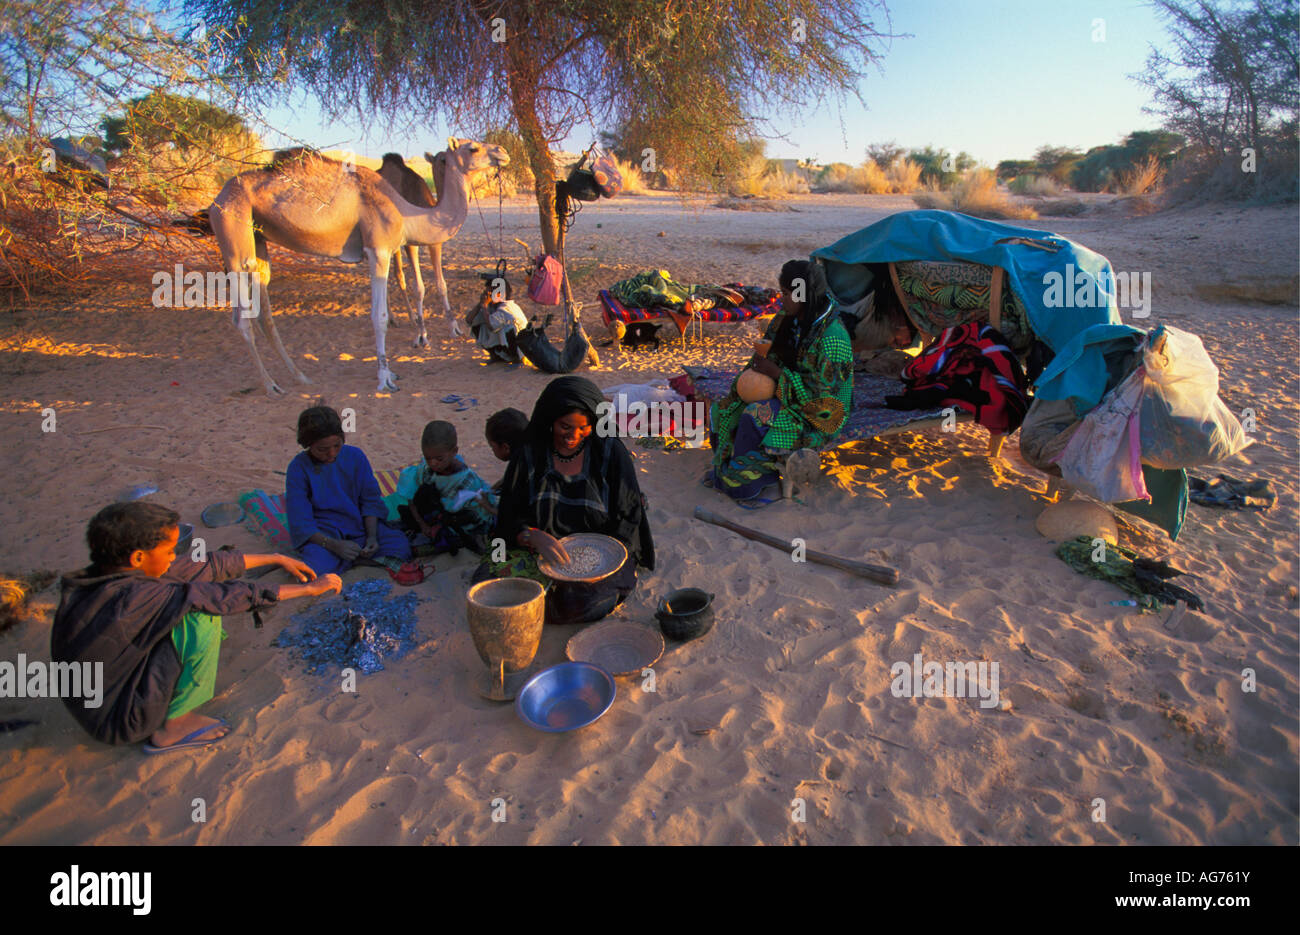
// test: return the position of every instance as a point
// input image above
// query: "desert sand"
(789, 697)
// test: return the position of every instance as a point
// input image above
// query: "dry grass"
(1035, 186)
(750, 203)
(865, 179)
(634, 182)
(977, 195)
(1145, 177)
(1261, 292)
(1061, 207)
(904, 177)
(15, 592)
(761, 177)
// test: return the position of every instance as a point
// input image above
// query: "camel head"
(472, 156)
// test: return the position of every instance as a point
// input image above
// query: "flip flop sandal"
(189, 741)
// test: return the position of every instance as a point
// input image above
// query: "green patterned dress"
(813, 400)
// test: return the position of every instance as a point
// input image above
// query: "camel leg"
(435, 253)
(378, 259)
(401, 286)
(273, 335)
(421, 336)
(234, 233)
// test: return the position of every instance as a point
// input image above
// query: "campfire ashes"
(359, 629)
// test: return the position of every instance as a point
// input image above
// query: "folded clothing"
(971, 368)
(1229, 493)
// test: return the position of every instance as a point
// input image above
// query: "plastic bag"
(1184, 423)
(1103, 456)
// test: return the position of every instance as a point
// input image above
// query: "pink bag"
(544, 285)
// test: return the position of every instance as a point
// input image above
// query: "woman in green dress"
(811, 360)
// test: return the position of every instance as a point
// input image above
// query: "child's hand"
(325, 584)
(299, 569)
(344, 549)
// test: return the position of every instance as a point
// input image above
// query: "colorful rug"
(614, 310)
(869, 417)
(266, 513)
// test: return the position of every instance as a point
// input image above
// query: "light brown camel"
(410, 186)
(318, 206)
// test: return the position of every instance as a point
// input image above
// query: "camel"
(410, 186)
(318, 206)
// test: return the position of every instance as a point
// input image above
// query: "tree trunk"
(523, 101)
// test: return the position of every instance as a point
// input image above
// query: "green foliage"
(941, 168)
(1010, 168)
(1057, 162)
(685, 79)
(159, 118)
(1228, 83)
(1101, 168)
(885, 154)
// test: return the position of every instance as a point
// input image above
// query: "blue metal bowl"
(565, 697)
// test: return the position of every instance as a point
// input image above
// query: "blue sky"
(996, 78)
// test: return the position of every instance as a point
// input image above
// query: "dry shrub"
(54, 226)
(904, 177)
(761, 177)
(15, 593)
(1144, 177)
(1061, 207)
(978, 195)
(750, 203)
(633, 181)
(867, 179)
(1034, 185)
(1259, 291)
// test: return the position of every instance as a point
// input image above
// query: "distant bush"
(978, 195)
(1034, 185)
(904, 176)
(1142, 178)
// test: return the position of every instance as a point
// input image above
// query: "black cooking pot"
(686, 614)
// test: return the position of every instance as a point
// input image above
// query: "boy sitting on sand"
(154, 622)
(441, 490)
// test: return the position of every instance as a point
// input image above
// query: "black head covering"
(562, 396)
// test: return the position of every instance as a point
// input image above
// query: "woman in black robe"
(566, 478)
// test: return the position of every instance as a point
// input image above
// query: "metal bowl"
(185, 538)
(565, 697)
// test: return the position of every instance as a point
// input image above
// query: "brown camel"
(318, 206)
(410, 186)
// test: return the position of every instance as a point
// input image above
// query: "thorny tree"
(682, 77)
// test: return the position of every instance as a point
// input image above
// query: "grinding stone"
(1063, 521)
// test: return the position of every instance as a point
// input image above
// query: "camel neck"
(441, 223)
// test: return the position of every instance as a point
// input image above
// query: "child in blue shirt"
(332, 499)
(440, 490)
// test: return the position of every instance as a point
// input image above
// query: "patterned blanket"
(267, 514)
(613, 310)
(869, 417)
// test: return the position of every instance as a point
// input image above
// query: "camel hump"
(294, 156)
(394, 158)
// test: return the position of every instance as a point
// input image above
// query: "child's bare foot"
(179, 728)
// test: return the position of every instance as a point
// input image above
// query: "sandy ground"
(789, 697)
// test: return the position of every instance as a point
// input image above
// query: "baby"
(441, 491)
